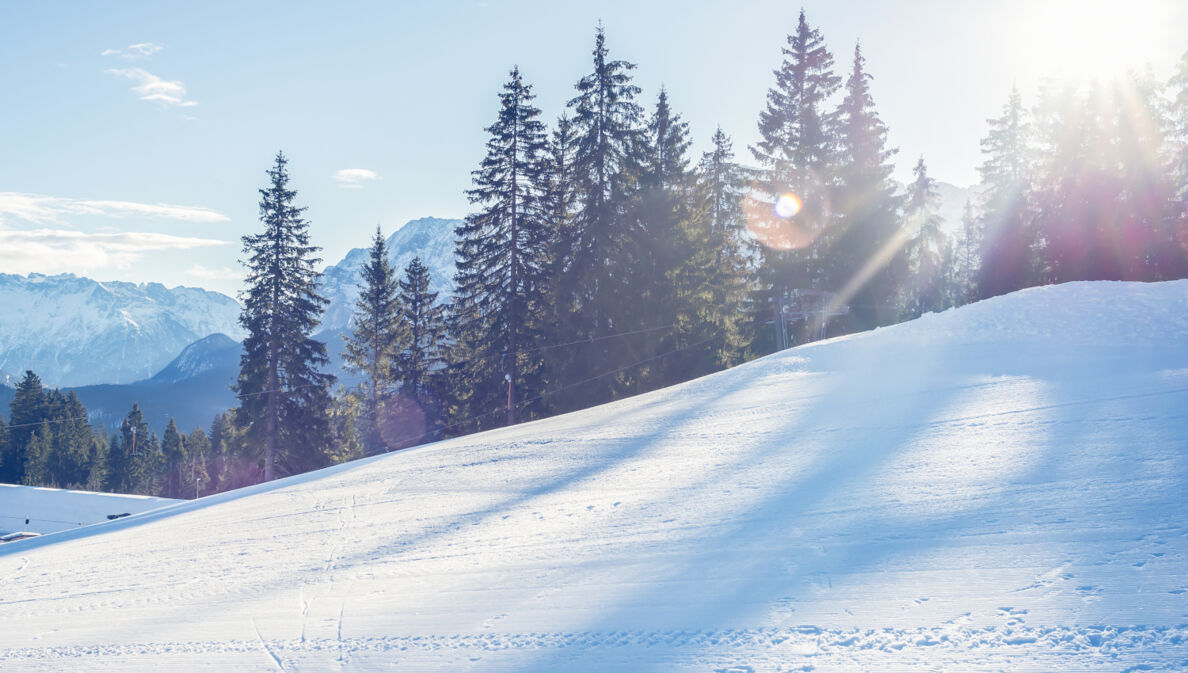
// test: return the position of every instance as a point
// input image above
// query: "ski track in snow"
(979, 504)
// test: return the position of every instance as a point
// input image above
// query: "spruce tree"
(928, 247)
(284, 396)
(795, 156)
(37, 457)
(1177, 234)
(712, 281)
(502, 257)
(419, 364)
(4, 440)
(664, 211)
(374, 344)
(1007, 261)
(194, 474)
(28, 408)
(173, 451)
(862, 251)
(594, 297)
(74, 441)
(968, 256)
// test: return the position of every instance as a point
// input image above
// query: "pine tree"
(174, 453)
(594, 297)
(1177, 234)
(863, 249)
(968, 256)
(37, 456)
(795, 157)
(284, 396)
(194, 474)
(664, 212)
(374, 344)
(74, 441)
(503, 255)
(419, 363)
(928, 247)
(712, 282)
(1008, 261)
(28, 408)
(134, 459)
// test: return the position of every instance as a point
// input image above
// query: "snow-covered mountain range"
(74, 331)
(998, 487)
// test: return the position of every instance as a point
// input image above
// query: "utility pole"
(511, 412)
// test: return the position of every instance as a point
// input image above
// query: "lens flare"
(787, 205)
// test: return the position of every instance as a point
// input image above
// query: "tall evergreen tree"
(194, 474)
(602, 247)
(27, 408)
(284, 396)
(421, 358)
(1008, 261)
(503, 255)
(967, 256)
(173, 452)
(374, 344)
(863, 250)
(928, 247)
(664, 210)
(795, 155)
(37, 457)
(1178, 139)
(712, 282)
(74, 441)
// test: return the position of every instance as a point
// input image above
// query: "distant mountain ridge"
(75, 331)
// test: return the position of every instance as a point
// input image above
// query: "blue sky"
(135, 134)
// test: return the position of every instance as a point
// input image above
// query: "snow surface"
(996, 488)
(49, 510)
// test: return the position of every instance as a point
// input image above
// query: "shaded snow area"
(49, 510)
(996, 488)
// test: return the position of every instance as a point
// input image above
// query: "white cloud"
(353, 178)
(41, 209)
(149, 87)
(64, 250)
(134, 51)
(221, 273)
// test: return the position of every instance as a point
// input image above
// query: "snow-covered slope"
(430, 238)
(75, 331)
(995, 488)
(49, 510)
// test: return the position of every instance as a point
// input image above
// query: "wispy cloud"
(63, 250)
(221, 273)
(134, 51)
(40, 209)
(353, 178)
(149, 87)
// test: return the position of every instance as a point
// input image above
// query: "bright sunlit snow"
(998, 487)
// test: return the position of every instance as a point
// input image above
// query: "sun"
(1091, 39)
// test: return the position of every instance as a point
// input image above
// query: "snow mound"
(49, 510)
(1007, 495)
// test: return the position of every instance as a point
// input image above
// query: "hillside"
(998, 487)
